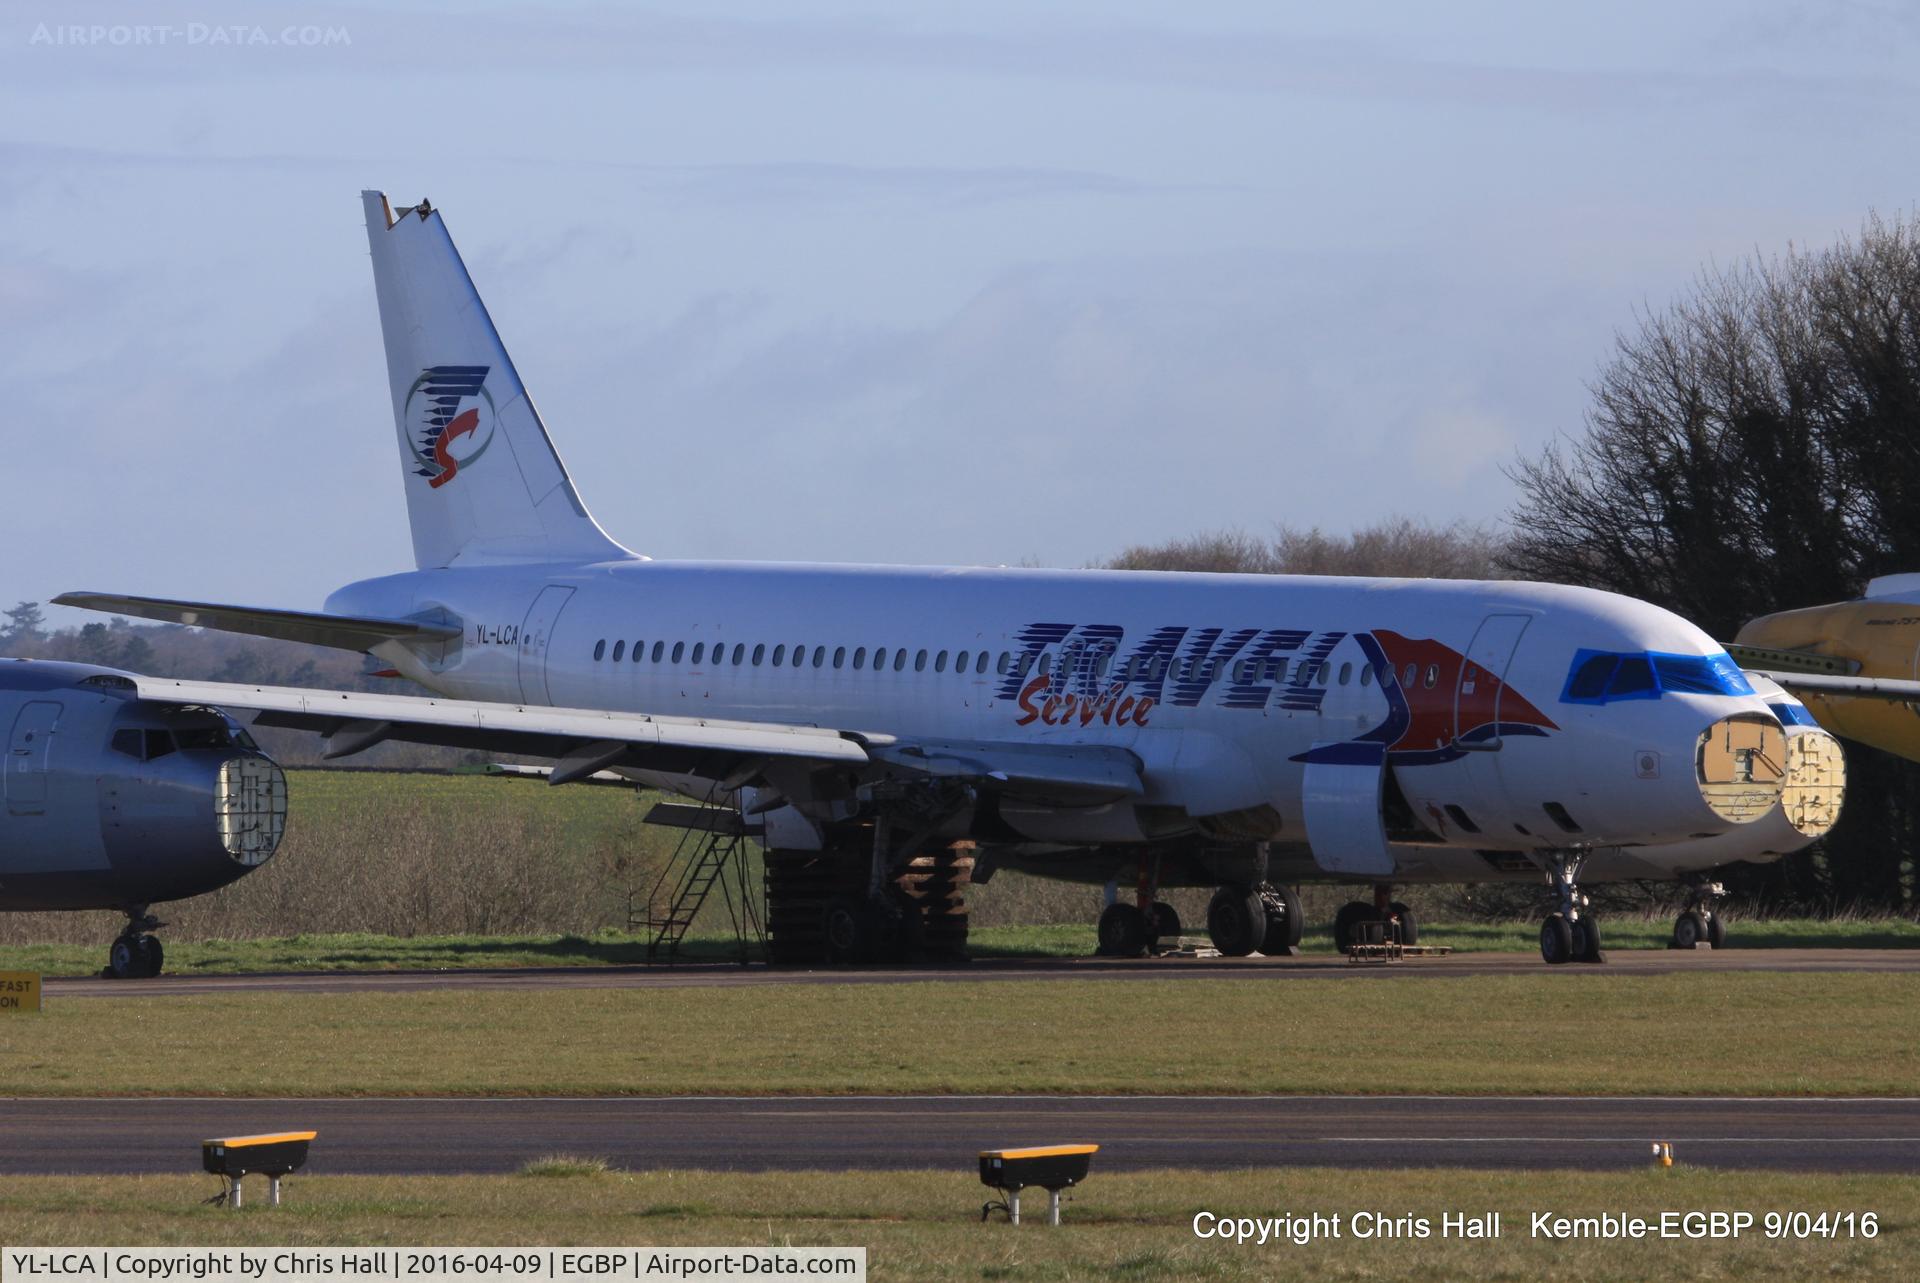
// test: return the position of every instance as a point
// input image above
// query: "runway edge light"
(273, 1155)
(1052, 1167)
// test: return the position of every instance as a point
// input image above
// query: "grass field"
(366, 952)
(1755, 1033)
(925, 1225)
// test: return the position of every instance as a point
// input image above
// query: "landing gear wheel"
(1282, 935)
(1166, 921)
(1236, 920)
(848, 928)
(1351, 915)
(1688, 930)
(1123, 931)
(1409, 926)
(1586, 940)
(123, 959)
(152, 956)
(1716, 932)
(1556, 939)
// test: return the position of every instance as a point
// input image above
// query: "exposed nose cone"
(250, 808)
(1741, 767)
(1751, 769)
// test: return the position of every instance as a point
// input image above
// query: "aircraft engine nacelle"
(110, 800)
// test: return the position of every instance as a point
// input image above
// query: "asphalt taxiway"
(1621, 962)
(440, 1136)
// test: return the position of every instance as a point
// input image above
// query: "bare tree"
(1399, 546)
(1753, 448)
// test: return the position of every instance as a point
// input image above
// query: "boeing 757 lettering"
(1242, 732)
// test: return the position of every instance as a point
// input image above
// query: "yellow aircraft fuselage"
(1872, 637)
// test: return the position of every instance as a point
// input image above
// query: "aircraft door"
(535, 634)
(29, 750)
(1482, 681)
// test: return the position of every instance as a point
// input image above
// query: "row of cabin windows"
(1150, 667)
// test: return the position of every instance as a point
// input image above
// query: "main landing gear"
(1131, 930)
(1700, 922)
(1244, 919)
(1570, 934)
(1350, 924)
(135, 955)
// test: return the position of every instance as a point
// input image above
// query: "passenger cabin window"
(1003, 664)
(639, 651)
(619, 649)
(600, 649)
(779, 655)
(900, 659)
(679, 649)
(1346, 671)
(839, 656)
(859, 658)
(920, 662)
(879, 658)
(980, 664)
(960, 662)
(940, 662)
(759, 653)
(819, 656)
(699, 649)
(1433, 675)
(739, 653)
(658, 649)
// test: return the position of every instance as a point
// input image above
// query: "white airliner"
(1246, 732)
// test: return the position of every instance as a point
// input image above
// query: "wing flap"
(1887, 688)
(342, 632)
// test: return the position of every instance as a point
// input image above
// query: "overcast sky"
(978, 282)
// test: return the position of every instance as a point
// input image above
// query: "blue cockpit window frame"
(1607, 676)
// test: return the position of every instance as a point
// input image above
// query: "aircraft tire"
(1586, 940)
(848, 928)
(1351, 915)
(1123, 931)
(152, 956)
(1236, 920)
(1409, 925)
(123, 959)
(1282, 935)
(1716, 932)
(1688, 930)
(1556, 940)
(1166, 921)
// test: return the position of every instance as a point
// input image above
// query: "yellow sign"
(19, 991)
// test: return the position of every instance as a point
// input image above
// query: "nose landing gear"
(1570, 934)
(135, 955)
(1700, 922)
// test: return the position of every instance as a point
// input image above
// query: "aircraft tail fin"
(484, 483)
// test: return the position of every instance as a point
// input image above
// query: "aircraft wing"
(1887, 688)
(583, 742)
(1084, 773)
(343, 632)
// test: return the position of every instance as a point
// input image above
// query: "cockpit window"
(1600, 677)
(159, 743)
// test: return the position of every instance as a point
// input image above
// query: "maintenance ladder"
(712, 852)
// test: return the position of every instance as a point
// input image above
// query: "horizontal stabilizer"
(343, 632)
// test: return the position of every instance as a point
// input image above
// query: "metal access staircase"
(711, 854)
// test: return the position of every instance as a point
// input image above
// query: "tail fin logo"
(450, 420)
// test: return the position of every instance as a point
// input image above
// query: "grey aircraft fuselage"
(108, 801)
